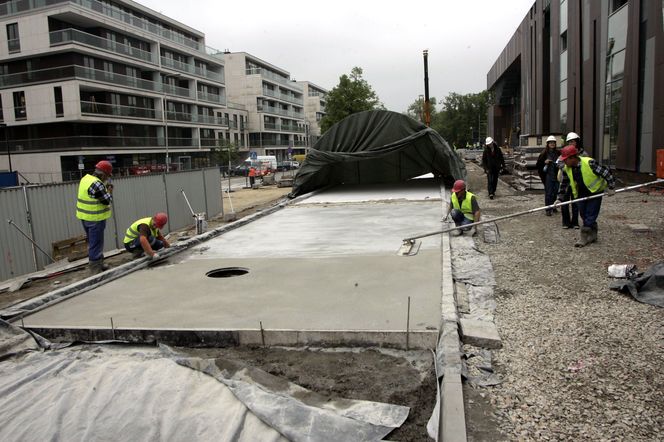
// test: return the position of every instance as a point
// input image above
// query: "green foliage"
(416, 109)
(462, 119)
(219, 155)
(353, 94)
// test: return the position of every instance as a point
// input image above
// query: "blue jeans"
(136, 244)
(551, 185)
(94, 230)
(460, 219)
(589, 211)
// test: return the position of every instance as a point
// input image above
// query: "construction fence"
(47, 213)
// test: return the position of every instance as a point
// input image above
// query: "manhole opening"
(227, 272)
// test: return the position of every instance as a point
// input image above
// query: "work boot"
(95, 267)
(584, 237)
(593, 234)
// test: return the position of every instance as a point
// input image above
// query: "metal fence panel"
(17, 252)
(53, 212)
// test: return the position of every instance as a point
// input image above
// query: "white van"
(263, 162)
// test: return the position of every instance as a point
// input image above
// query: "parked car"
(241, 170)
(287, 165)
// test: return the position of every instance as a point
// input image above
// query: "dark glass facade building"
(592, 67)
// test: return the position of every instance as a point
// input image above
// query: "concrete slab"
(311, 268)
(480, 333)
(639, 228)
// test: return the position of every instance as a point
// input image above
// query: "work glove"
(155, 256)
(557, 203)
(447, 217)
(475, 231)
(610, 192)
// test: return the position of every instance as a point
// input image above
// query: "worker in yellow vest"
(93, 208)
(463, 207)
(586, 177)
(144, 236)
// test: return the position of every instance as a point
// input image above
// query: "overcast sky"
(319, 41)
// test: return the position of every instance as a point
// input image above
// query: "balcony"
(119, 111)
(212, 98)
(283, 127)
(274, 77)
(212, 75)
(177, 65)
(75, 36)
(101, 142)
(185, 117)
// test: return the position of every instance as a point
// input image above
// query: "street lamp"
(165, 116)
(9, 155)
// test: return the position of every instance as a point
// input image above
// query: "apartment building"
(592, 67)
(314, 108)
(274, 103)
(85, 80)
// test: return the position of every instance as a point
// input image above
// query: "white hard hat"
(572, 136)
(488, 141)
(551, 138)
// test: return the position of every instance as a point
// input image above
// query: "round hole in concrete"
(227, 272)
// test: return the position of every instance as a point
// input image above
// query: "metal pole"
(30, 239)
(28, 218)
(166, 130)
(427, 112)
(526, 212)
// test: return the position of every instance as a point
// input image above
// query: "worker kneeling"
(144, 235)
(463, 207)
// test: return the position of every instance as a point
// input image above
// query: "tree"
(353, 94)
(462, 121)
(416, 109)
(223, 154)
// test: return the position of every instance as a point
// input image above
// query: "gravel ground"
(579, 361)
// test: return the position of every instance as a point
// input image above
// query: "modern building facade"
(274, 102)
(592, 67)
(84, 80)
(314, 108)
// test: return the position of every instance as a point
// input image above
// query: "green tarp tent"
(376, 147)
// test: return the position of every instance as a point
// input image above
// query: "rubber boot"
(584, 237)
(95, 267)
(593, 234)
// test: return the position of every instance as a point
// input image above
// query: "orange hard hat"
(459, 185)
(160, 220)
(568, 151)
(105, 167)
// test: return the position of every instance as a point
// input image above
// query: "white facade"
(85, 80)
(275, 105)
(314, 108)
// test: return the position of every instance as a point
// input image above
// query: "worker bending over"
(586, 177)
(463, 207)
(145, 235)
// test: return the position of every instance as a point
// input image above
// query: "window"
(59, 107)
(13, 40)
(2, 115)
(563, 41)
(20, 112)
(617, 4)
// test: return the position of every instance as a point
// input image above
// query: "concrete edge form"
(33, 305)
(417, 340)
(451, 419)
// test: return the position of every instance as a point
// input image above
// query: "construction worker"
(93, 208)
(492, 162)
(252, 176)
(548, 172)
(586, 178)
(144, 236)
(570, 215)
(463, 207)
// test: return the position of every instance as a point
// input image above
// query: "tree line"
(461, 119)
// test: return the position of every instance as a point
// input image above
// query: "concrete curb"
(451, 419)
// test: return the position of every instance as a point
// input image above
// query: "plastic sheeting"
(376, 147)
(647, 288)
(98, 392)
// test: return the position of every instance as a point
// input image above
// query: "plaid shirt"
(98, 191)
(598, 169)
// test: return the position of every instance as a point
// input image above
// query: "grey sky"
(320, 41)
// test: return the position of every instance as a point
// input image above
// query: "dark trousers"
(135, 244)
(565, 210)
(94, 230)
(589, 211)
(492, 180)
(551, 186)
(460, 219)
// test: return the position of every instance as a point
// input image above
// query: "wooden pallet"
(71, 249)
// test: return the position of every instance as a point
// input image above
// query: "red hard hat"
(458, 186)
(160, 219)
(568, 151)
(105, 167)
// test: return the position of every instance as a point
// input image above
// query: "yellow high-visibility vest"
(132, 232)
(467, 206)
(88, 208)
(593, 182)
